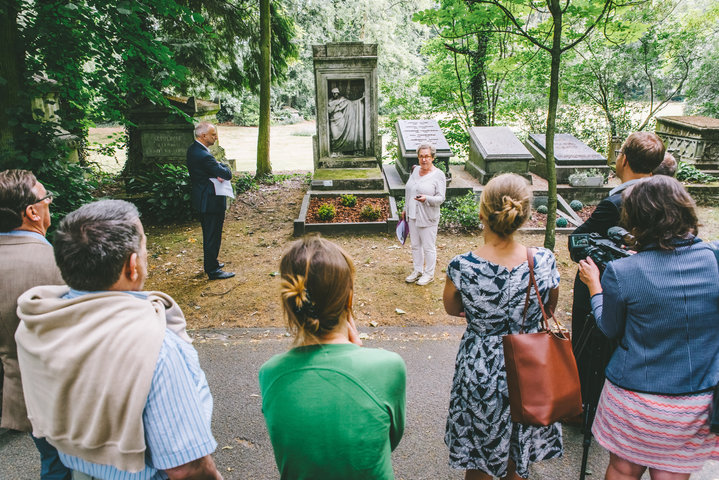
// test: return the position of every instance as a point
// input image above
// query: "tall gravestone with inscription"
(346, 99)
(413, 133)
(162, 135)
(495, 150)
(570, 156)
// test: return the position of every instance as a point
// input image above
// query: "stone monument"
(162, 135)
(692, 139)
(570, 156)
(495, 150)
(413, 133)
(346, 100)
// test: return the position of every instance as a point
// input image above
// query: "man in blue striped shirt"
(110, 375)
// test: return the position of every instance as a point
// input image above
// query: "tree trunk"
(556, 53)
(264, 167)
(478, 80)
(11, 70)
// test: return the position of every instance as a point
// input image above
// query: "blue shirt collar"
(25, 233)
(623, 186)
(78, 293)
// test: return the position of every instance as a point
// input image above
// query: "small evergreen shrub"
(348, 200)
(542, 209)
(245, 181)
(576, 205)
(164, 193)
(686, 172)
(370, 213)
(562, 222)
(461, 213)
(326, 211)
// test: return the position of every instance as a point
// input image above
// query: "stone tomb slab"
(413, 133)
(570, 156)
(495, 150)
(692, 139)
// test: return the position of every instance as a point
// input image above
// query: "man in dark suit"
(202, 167)
(640, 154)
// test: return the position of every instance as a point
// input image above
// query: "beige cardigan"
(87, 365)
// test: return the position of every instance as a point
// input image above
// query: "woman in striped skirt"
(662, 304)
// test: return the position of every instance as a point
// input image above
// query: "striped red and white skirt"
(658, 431)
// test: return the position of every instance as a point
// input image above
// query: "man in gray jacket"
(26, 260)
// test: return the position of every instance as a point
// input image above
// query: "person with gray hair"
(424, 193)
(109, 373)
(26, 258)
(668, 167)
(202, 167)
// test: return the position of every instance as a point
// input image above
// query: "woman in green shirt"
(333, 410)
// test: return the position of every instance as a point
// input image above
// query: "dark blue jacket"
(663, 306)
(203, 166)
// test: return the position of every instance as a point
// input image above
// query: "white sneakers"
(424, 279)
(413, 277)
(419, 277)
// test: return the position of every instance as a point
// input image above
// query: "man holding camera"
(640, 154)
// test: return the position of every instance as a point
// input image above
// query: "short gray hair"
(427, 146)
(202, 128)
(93, 243)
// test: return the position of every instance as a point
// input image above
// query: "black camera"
(600, 249)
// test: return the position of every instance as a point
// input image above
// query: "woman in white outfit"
(424, 193)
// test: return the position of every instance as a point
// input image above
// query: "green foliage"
(562, 222)
(460, 213)
(576, 205)
(245, 181)
(688, 173)
(370, 212)
(457, 136)
(348, 200)
(73, 185)
(326, 211)
(542, 209)
(163, 194)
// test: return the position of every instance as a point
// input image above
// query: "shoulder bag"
(542, 377)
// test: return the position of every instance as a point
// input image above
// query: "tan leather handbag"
(542, 376)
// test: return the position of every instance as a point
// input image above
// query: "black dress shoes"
(220, 275)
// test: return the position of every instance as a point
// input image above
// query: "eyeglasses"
(49, 195)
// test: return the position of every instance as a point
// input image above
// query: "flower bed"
(347, 214)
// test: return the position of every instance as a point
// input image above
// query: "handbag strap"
(533, 283)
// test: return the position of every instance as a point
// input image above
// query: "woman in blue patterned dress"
(488, 286)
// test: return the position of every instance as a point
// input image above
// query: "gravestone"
(413, 133)
(346, 100)
(495, 150)
(570, 156)
(162, 135)
(691, 139)
(45, 108)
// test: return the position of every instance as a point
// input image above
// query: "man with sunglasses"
(26, 261)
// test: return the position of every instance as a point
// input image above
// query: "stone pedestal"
(346, 96)
(413, 133)
(570, 156)
(691, 139)
(495, 150)
(164, 135)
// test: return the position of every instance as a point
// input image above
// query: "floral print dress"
(480, 433)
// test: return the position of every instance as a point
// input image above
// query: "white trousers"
(424, 250)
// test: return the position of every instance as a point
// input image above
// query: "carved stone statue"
(346, 123)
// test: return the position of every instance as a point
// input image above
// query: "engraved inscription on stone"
(498, 143)
(416, 132)
(165, 143)
(568, 149)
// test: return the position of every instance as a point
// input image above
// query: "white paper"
(223, 188)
